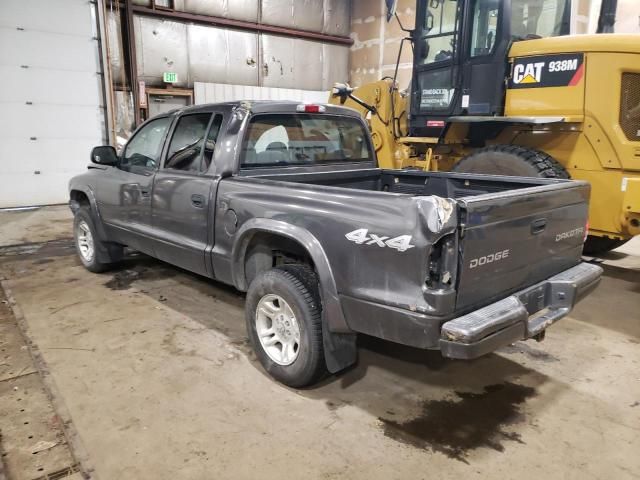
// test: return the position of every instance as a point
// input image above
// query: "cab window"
(538, 18)
(303, 139)
(485, 26)
(211, 141)
(186, 143)
(438, 32)
(144, 149)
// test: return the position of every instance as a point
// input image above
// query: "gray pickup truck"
(285, 201)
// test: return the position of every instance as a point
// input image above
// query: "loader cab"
(460, 55)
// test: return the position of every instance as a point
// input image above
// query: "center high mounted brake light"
(308, 108)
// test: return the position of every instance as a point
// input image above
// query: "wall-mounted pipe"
(128, 38)
(107, 77)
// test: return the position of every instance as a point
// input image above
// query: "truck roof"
(266, 106)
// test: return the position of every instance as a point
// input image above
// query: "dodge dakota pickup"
(285, 201)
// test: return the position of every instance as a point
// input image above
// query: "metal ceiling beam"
(238, 24)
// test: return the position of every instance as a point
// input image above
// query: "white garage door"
(50, 98)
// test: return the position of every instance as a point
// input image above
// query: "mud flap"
(107, 252)
(340, 349)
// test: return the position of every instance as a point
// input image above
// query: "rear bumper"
(525, 314)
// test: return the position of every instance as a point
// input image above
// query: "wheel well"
(80, 197)
(267, 250)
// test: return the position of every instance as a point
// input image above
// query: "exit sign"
(170, 77)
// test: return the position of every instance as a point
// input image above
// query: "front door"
(436, 38)
(124, 196)
(184, 191)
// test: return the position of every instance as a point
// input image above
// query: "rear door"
(516, 238)
(184, 191)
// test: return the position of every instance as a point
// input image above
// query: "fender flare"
(338, 338)
(93, 204)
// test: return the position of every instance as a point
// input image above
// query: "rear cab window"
(287, 139)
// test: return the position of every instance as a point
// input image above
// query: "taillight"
(308, 108)
(441, 268)
(586, 232)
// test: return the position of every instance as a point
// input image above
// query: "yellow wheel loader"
(499, 87)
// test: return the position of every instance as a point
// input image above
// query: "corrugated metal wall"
(221, 92)
(218, 55)
(325, 16)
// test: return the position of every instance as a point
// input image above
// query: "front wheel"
(95, 255)
(283, 315)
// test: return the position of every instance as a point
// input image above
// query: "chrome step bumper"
(523, 315)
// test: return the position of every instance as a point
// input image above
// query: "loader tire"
(598, 245)
(511, 160)
(527, 162)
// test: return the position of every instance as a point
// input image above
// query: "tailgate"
(516, 238)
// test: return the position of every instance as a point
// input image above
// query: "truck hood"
(603, 42)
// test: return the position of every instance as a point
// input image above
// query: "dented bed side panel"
(376, 243)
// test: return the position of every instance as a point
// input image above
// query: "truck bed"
(409, 182)
(512, 233)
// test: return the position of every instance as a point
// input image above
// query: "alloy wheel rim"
(85, 241)
(277, 329)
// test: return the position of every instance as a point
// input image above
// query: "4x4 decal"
(361, 236)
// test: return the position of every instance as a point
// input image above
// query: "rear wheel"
(511, 160)
(283, 314)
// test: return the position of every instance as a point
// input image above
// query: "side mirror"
(104, 155)
(341, 90)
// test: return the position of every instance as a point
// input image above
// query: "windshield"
(538, 18)
(303, 139)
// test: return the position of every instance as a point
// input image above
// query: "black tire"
(511, 160)
(527, 162)
(597, 245)
(104, 254)
(297, 285)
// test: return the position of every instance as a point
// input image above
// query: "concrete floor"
(151, 366)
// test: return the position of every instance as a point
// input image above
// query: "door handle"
(538, 226)
(197, 200)
(144, 192)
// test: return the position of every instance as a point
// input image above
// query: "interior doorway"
(161, 100)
